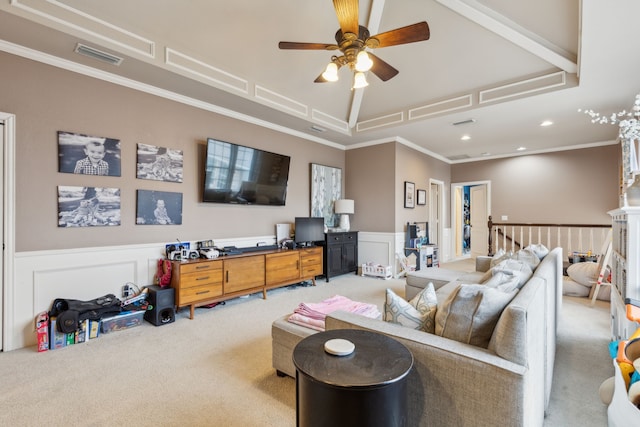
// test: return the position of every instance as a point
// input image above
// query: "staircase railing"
(513, 236)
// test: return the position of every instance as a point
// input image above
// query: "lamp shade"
(344, 206)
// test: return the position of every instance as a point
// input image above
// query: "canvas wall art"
(88, 155)
(88, 206)
(326, 188)
(159, 208)
(159, 163)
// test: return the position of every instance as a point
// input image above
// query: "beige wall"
(577, 186)
(418, 168)
(46, 99)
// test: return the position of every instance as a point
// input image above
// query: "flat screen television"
(244, 175)
(308, 230)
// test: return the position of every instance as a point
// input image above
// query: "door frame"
(7, 163)
(456, 206)
(440, 210)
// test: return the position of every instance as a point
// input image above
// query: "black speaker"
(162, 301)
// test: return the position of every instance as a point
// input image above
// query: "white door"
(478, 213)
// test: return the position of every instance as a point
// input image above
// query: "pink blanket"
(312, 315)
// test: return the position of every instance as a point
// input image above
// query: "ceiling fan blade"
(409, 34)
(307, 46)
(347, 13)
(381, 69)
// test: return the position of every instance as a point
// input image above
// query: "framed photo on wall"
(422, 197)
(409, 194)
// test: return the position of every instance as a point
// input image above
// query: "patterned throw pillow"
(419, 313)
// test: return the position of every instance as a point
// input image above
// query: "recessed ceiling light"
(465, 137)
(521, 148)
(546, 123)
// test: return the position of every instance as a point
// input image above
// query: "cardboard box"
(93, 329)
(56, 339)
(124, 320)
(42, 331)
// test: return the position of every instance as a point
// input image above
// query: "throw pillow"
(539, 249)
(499, 256)
(505, 280)
(528, 256)
(419, 313)
(518, 268)
(585, 273)
(471, 312)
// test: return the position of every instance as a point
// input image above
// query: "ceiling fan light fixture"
(363, 62)
(359, 80)
(331, 72)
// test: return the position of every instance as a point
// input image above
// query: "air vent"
(459, 157)
(317, 128)
(464, 122)
(97, 54)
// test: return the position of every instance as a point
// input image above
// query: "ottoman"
(284, 338)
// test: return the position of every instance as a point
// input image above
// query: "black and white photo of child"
(159, 208)
(88, 206)
(159, 163)
(88, 155)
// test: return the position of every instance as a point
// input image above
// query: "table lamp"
(344, 207)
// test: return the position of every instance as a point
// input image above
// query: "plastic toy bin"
(124, 320)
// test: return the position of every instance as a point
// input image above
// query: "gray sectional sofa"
(458, 384)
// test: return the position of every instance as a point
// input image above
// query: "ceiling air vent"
(464, 122)
(459, 157)
(94, 53)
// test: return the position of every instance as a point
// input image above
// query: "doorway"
(471, 207)
(7, 231)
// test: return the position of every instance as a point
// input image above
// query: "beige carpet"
(216, 368)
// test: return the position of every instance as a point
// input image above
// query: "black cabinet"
(340, 253)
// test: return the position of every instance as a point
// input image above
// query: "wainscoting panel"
(379, 248)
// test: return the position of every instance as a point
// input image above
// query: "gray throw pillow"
(471, 312)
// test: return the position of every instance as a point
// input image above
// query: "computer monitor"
(309, 230)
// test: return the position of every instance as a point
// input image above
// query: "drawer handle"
(202, 292)
(203, 278)
(201, 267)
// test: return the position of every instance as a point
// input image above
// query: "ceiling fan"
(353, 40)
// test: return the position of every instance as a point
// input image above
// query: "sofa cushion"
(471, 312)
(419, 313)
(505, 280)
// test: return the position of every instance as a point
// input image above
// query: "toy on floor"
(627, 354)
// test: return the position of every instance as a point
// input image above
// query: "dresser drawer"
(200, 267)
(200, 293)
(201, 278)
(312, 270)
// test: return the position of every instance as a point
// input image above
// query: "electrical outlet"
(127, 291)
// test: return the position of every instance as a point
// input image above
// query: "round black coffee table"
(365, 388)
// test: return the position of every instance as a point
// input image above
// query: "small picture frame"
(422, 197)
(409, 194)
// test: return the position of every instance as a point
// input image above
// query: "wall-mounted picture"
(88, 206)
(409, 194)
(88, 155)
(422, 197)
(159, 208)
(326, 188)
(159, 163)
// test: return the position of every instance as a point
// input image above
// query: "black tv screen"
(244, 175)
(309, 230)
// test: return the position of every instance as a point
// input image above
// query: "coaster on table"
(339, 347)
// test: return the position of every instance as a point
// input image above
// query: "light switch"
(504, 218)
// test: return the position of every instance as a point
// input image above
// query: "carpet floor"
(216, 369)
